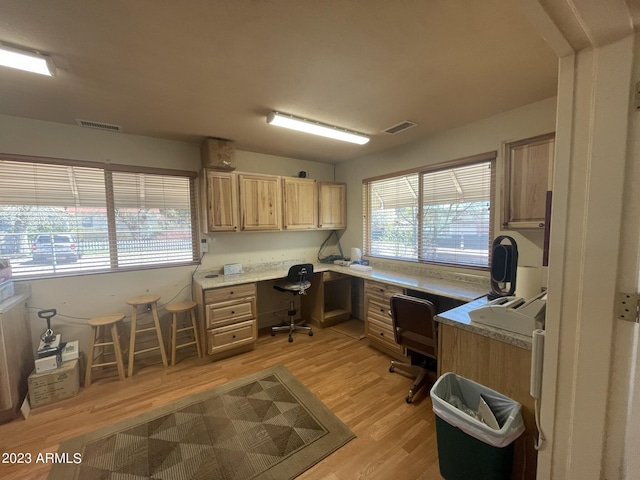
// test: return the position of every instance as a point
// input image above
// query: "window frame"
(108, 170)
(487, 157)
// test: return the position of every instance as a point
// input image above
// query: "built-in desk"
(229, 319)
(496, 358)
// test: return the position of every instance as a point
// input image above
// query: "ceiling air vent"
(400, 127)
(99, 125)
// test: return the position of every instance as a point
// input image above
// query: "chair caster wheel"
(290, 339)
(409, 400)
(310, 333)
(392, 369)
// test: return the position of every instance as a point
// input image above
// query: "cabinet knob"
(541, 224)
(231, 293)
(233, 336)
(381, 334)
(233, 312)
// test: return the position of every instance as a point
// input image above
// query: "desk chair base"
(291, 326)
(421, 373)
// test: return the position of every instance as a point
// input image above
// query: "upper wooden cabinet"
(332, 198)
(260, 202)
(220, 195)
(238, 201)
(528, 178)
(300, 205)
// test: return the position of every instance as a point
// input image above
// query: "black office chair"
(415, 329)
(296, 283)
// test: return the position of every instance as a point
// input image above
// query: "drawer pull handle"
(381, 334)
(231, 293)
(233, 312)
(233, 336)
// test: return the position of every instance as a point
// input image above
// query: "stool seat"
(175, 309)
(180, 307)
(98, 327)
(135, 302)
(105, 320)
(143, 300)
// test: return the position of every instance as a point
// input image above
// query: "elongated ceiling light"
(315, 128)
(25, 60)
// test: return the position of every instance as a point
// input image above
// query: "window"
(440, 214)
(60, 218)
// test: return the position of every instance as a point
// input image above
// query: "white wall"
(78, 298)
(483, 136)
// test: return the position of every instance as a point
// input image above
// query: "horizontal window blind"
(436, 215)
(393, 217)
(58, 219)
(456, 215)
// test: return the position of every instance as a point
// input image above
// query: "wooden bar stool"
(98, 326)
(135, 302)
(175, 309)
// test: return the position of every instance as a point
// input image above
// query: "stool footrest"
(104, 364)
(182, 345)
(149, 329)
(145, 350)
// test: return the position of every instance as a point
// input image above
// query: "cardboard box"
(53, 386)
(218, 154)
(49, 363)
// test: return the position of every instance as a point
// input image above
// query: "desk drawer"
(381, 291)
(378, 311)
(232, 336)
(382, 335)
(225, 294)
(219, 315)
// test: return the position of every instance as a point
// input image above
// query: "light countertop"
(452, 288)
(459, 317)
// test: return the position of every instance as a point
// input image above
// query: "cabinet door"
(221, 201)
(300, 203)
(529, 175)
(332, 205)
(260, 202)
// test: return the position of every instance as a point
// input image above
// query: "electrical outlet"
(204, 246)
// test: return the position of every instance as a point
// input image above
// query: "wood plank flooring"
(394, 439)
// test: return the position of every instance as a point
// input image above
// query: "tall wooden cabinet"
(16, 355)
(300, 203)
(528, 178)
(332, 198)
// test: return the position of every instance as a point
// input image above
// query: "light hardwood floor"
(394, 439)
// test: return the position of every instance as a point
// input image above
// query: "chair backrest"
(413, 324)
(300, 273)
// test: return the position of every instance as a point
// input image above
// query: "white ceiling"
(191, 69)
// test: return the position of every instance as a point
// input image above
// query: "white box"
(47, 364)
(232, 268)
(70, 351)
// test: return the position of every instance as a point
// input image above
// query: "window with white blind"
(440, 214)
(59, 219)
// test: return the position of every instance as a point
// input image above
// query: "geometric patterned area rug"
(264, 426)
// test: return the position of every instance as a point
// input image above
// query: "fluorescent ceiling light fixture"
(315, 128)
(25, 60)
